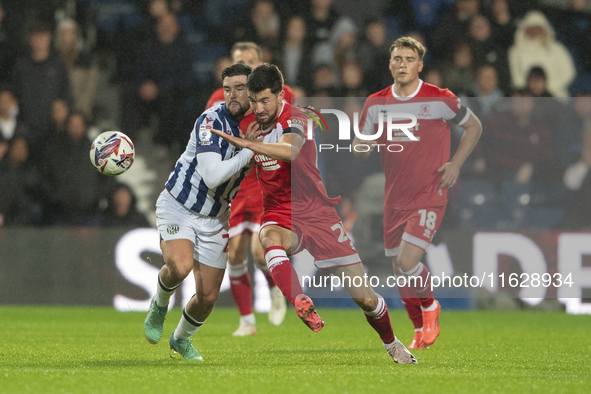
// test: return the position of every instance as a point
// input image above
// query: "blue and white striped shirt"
(185, 182)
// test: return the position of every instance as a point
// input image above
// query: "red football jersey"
(410, 166)
(218, 96)
(290, 187)
(247, 201)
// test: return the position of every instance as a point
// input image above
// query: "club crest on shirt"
(425, 110)
(172, 229)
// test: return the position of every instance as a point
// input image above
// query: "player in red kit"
(298, 214)
(418, 170)
(247, 210)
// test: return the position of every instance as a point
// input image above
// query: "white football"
(112, 153)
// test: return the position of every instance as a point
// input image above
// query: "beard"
(268, 121)
(236, 109)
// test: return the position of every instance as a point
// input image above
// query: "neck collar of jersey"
(409, 96)
(233, 122)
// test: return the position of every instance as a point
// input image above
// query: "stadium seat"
(543, 218)
(476, 193)
(115, 16)
(516, 195)
(476, 205)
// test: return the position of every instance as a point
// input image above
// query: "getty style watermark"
(398, 127)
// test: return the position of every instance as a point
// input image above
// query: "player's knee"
(366, 303)
(179, 268)
(405, 264)
(209, 299)
(236, 256)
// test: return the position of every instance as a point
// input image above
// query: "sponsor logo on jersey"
(267, 163)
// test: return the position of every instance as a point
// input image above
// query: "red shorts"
(247, 207)
(320, 232)
(416, 226)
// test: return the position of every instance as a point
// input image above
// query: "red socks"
(282, 272)
(241, 288)
(379, 319)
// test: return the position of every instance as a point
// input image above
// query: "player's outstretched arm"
(286, 149)
(450, 171)
(216, 171)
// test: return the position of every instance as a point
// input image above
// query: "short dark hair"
(39, 26)
(265, 76)
(235, 70)
(246, 45)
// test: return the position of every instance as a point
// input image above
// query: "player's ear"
(420, 66)
(281, 95)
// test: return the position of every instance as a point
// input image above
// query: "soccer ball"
(112, 153)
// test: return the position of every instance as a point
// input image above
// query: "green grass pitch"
(81, 350)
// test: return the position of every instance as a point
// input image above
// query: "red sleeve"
(217, 96)
(288, 95)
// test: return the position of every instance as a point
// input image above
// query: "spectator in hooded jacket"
(536, 45)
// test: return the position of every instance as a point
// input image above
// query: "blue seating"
(476, 193)
(114, 16)
(543, 218)
(516, 195)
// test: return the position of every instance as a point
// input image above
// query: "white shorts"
(209, 235)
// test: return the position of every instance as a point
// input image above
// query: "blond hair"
(409, 42)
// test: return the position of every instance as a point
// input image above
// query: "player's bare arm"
(286, 149)
(450, 171)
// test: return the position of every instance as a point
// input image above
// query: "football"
(112, 153)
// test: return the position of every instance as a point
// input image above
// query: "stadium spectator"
(325, 81)
(503, 23)
(71, 188)
(82, 69)
(574, 144)
(194, 231)
(458, 72)
(40, 78)
(164, 76)
(537, 83)
(372, 48)
(453, 25)
(60, 112)
(10, 125)
(352, 80)
(485, 92)
(300, 214)
(433, 76)
(121, 210)
(8, 48)
(517, 147)
(263, 26)
(536, 45)
(412, 214)
(331, 36)
(487, 50)
(296, 55)
(18, 176)
(201, 100)
(577, 177)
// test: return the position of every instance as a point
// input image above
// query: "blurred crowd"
(523, 66)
